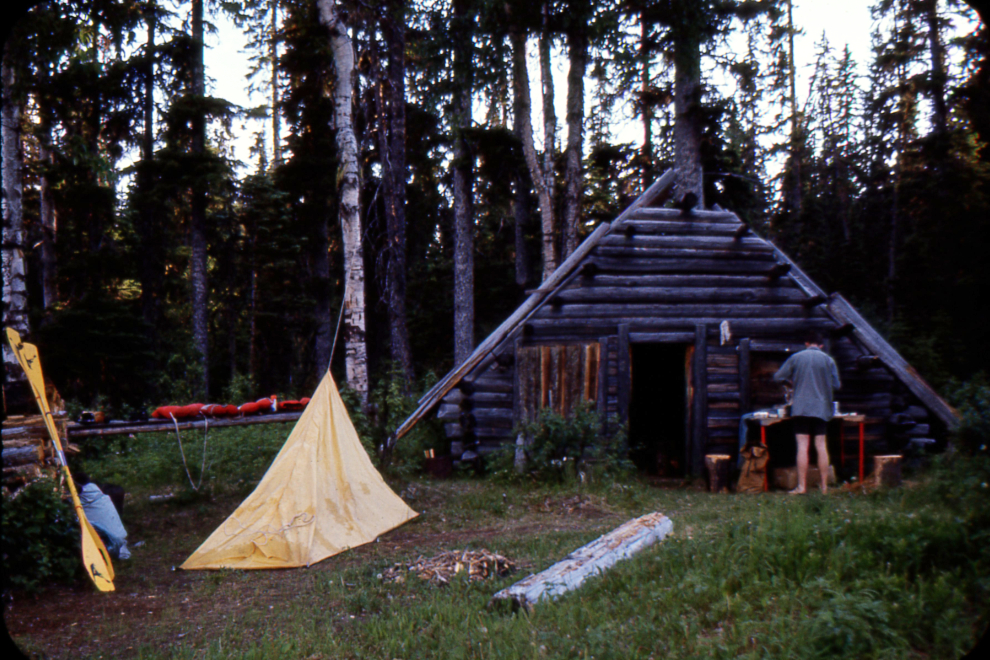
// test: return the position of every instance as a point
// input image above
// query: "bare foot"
(796, 491)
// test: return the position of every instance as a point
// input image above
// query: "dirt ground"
(157, 605)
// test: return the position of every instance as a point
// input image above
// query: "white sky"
(842, 21)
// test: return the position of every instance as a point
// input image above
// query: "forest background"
(408, 183)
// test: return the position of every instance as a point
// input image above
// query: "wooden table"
(853, 418)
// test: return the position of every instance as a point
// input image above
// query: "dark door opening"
(658, 409)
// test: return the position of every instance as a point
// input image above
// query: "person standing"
(814, 376)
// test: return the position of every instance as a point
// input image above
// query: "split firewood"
(440, 569)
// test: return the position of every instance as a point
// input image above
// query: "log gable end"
(734, 302)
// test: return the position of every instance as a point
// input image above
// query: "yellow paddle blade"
(96, 560)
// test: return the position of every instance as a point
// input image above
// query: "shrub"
(972, 399)
(560, 449)
(40, 537)
(389, 405)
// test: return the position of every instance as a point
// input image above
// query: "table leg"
(861, 438)
(766, 473)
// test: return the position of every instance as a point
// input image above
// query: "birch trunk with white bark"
(14, 267)
(348, 187)
(549, 150)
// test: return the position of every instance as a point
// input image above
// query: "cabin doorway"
(658, 408)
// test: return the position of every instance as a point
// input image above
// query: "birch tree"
(348, 187)
(14, 271)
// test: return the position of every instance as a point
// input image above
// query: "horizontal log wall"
(656, 277)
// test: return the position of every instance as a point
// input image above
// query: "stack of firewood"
(28, 452)
(440, 569)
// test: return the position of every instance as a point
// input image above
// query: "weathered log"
(616, 295)
(587, 561)
(608, 309)
(766, 326)
(22, 473)
(17, 443)
(489, 384)
(887, 471)
(683, 227)
(742, 281)
(687, 241)
(126, 428)
(686, 254)
(700, 216)
(645, 266)
(23, 455)
(718, 466)
(778, 271)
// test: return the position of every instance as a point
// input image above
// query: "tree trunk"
(348, 187)
(646, 108)
(524, 124)
(49, 260)
(792, 181)
(463, 184)
(14, 267)
(578, 45)
(321, 295)
(276, 117)
(149, 236)
(197, 239)
(523, 129)
(687, 126)
(549, 149)
(940, 113)
(392, 132)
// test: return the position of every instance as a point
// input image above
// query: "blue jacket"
(814, 375)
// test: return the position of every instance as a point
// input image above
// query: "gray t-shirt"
(814, 375)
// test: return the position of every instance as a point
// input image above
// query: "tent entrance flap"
(320, 496)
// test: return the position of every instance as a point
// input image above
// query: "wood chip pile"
(478, 565)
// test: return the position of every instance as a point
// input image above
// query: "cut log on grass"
(887, 470)
(718, 472)
(592, 559)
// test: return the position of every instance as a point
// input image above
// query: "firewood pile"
(440, 569)
(28, 452)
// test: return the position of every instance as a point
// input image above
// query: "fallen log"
(591, 559)
(125, 428)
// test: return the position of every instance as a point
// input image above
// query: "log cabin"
(671, 322)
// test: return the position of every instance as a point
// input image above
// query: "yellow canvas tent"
(320, 496)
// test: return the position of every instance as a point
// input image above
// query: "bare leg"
(822, 448)
(803, 440)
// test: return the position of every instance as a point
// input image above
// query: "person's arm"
(786, 371)
(834, 369)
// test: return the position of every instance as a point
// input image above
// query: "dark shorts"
(808, 425)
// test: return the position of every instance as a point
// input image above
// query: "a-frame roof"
(646, 207)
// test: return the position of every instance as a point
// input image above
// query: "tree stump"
(718, 472)
(887, 470)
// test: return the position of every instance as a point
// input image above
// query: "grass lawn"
(896, 574)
